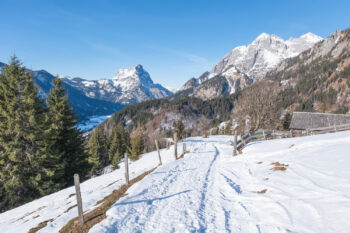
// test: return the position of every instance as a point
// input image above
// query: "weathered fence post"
(160, 159)
(79, 201)
(291, 133)
(126, 168)
(235, 144)
(167, 144)
(242, 142)
(183, 148)
(264, 135)
(175, 145)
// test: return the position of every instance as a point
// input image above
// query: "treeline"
(105, 150)
(40, 147)
(218, 109)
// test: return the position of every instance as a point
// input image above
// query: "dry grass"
(69, 208)
(279, 166)
(259, 162)
(291, 146)
(95, 216)
(261, 191)
(40, 226)
(29, 213)
(70, 195)
(112, 183)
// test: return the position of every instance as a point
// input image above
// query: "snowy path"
(210, 191)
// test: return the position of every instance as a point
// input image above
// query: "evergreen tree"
(21, 131)
(137, 146)
(180, 129)
(286, 121)
(98, 152)
(65, 150)
(118, 144)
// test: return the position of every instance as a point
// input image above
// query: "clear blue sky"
(173, 40)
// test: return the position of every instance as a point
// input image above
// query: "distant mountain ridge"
(91, 98)
(128, 86)
(247, 64)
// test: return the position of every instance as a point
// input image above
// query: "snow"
(211, 191)
(311, 38)
(263, 54)
(92, 122)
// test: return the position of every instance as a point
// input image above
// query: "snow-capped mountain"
(246, 64)
(128, 86)
(262, 55)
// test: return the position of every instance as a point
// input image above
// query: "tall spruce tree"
(118, 143)
(137, 146)
(180, 129)
(21, 131)
(98, 152)
(65, 147)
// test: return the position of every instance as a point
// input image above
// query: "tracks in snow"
(200, 193)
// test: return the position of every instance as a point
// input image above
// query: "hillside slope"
(285, 185)
(319, 78)
(211, 191)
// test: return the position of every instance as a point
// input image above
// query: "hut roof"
(310, 120)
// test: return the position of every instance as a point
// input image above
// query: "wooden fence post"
(167, 144)
(175, 145)
(79, 201)
(183, 148)
(264, 135)
(235, 144)
(126, 168)
(160, 159)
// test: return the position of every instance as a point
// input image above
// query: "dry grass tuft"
(112, 183)
(261, 191)
(291, 146)
(69, 208)
(40, 226)
(259, 162)
(279, 166)
(70, 195)
(30, 213)
(97, 215)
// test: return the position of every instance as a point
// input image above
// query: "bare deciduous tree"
(259, 102)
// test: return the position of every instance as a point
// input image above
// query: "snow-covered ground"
(92, 122)
(211, 191)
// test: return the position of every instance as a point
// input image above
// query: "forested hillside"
(158, 118)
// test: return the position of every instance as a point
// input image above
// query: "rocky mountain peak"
(249, 63)
(135, 75)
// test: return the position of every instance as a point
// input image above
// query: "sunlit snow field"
(285, 185)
